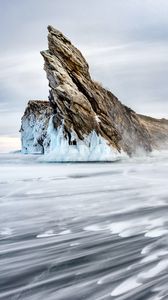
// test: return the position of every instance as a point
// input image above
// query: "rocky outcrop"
(83, 112)
(158, 131)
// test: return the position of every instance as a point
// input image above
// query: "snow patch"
(50, 233)
(74, 244)
(93, 228)
(125, 287)
(97, 119)
(160, 267)
(156, 232)
(6, 231)
(46, 234)
(68, 231)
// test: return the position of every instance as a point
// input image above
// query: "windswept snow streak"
(83, 231)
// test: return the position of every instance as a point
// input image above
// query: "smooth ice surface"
(85, 230)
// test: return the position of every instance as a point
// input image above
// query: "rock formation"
(84, 117)
(158, 131)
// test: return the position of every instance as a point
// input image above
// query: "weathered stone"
(83, 106)
(158, 130)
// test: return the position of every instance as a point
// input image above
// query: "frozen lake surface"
(83, 231)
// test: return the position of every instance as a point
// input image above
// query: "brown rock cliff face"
(158, 131)
(84, 106)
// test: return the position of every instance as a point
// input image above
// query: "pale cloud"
(23, 78)
(10, 122)
(139, 53)
(135, 72)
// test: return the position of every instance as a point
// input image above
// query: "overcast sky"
(124, 41)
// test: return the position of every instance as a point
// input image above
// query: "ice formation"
(92, 148)
(34, 127)
(33, 134)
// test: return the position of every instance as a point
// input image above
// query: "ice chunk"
(92, 148)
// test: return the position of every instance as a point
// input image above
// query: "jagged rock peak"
(84, 114)
(70, 56)
(85, 105)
